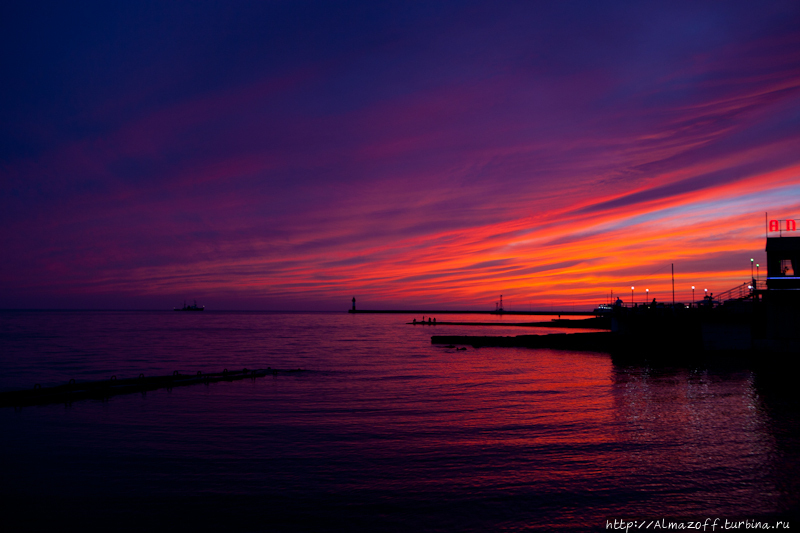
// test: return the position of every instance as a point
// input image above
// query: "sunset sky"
(293, 155)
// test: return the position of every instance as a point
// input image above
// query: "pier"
(601, 341)
(599, 322)
(439, 312)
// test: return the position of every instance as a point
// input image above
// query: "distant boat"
(603, 309)
(192, 307)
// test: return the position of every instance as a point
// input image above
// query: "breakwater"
(103, 389)
(440, 312)
(602, 341)
(588, 323)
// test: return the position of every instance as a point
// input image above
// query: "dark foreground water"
(382, 432)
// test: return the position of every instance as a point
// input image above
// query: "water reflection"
(385, 429)
(696, 440)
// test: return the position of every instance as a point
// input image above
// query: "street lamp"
(706, 296)
(757, 265)
(692, 295)
(631, 296)
(751, 267)
(646, 295)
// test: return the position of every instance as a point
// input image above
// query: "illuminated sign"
(782, 225)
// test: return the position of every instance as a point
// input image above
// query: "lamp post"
(631, 296)
(705, 298)
(757, 265)
(646, 296)
(751, 267)
(692, 295)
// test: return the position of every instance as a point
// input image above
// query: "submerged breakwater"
(104, 389)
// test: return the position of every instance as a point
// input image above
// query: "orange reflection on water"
(552, 410)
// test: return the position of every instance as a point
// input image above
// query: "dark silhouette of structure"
(759, 315)
(193, 307)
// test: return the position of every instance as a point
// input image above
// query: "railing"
(743, 291)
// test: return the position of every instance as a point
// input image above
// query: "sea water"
(381, 430)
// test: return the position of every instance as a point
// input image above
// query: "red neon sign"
(782, 225)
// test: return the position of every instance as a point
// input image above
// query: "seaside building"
(758, 315)
(781, 298)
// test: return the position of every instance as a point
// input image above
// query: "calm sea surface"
(381, 432)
